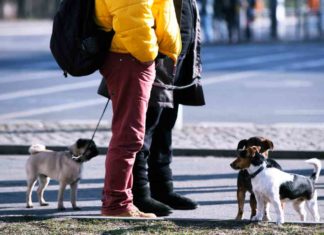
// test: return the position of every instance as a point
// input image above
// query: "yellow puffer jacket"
(142, 27)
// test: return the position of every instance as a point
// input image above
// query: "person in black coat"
(153, 186)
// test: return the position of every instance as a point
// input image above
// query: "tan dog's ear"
(267, 144)
(253, 150)
(242, 144)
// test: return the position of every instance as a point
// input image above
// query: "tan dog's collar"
(74, 157)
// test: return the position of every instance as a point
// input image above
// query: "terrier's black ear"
(242, 144)
(267, 144)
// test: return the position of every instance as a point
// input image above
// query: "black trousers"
(156, 152)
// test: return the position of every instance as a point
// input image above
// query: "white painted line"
(49, 90)
(50, 187)
(28, 76)
(279, 84)
(309, 64)
(55, 108)
(250, 61)
(229, 77)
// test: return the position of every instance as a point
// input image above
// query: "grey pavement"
(208, 180)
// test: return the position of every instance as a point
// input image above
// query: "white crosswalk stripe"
(51, 109)
(48, 90)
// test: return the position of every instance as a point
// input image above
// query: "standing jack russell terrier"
(271, 185)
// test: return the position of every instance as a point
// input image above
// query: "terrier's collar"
(257, 172)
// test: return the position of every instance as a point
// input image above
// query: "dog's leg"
(278, 208)
(74, 188)
(266, 216)
(240, 200)
(30, 185)
(299, 206)
(313, 207)
(43, 182)
(253, 205)
(260, 207)
(60, 198)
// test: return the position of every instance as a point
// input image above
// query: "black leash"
(103, 112)
(94, 133)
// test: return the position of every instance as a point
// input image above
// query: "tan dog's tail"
(36, 148)
(317, 165)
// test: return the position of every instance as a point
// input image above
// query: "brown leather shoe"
(134, 213)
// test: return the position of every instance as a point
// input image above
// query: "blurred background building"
(222, 20)
(27, 9)
(245, 20)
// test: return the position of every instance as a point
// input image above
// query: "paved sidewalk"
(208, 180)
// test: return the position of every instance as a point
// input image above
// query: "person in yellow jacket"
(143, 28)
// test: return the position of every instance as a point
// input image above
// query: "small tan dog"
(64, 166)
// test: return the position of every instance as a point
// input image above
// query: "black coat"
(190, 69)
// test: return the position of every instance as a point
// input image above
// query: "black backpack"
(77, 44)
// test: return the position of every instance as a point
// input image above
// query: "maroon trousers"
(129, 84)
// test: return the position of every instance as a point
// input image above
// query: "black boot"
(143, 201)
(141, 191)
(163, 192)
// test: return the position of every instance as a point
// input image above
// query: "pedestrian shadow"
(305, 172)
(207, 187)
(22, 183)
(12, 183)
(50, 195)
(204, 177)
(94, 194)
(222, 202)
(197, 191)
(49, 211)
